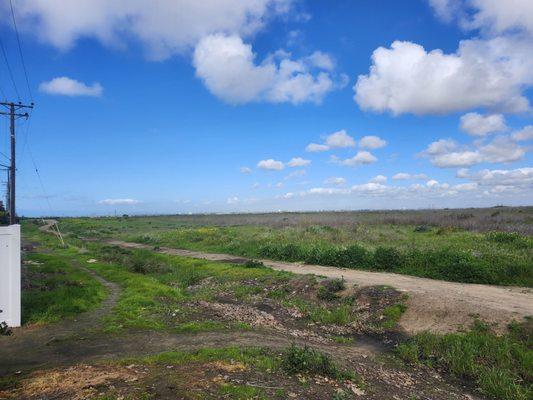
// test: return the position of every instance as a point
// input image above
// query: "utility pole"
(13, 115)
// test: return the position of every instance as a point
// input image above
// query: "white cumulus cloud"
(339, 139)
(336, 140)
(448, 154)
(372, 142)
(271, 165)
(493, 16)
(164, 27)
(228, 69)
(361, 158)
(476, 124)
(379, 179)
(406, 78)
(401, 176)
(524, 134)
(64, 86)
(316, 147)
(298, 162)
(338, 181)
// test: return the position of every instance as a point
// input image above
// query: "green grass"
(435, 252)
(256, 357)
(57, 289)
(297, 360)
(162, 286)
(392, 315)
(292, 360)
(339, 314)
(242, 392)
(502, 366)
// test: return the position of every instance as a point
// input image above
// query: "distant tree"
(3, 214)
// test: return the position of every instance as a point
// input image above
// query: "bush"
(509, 238)
(328, 289)
(388, 258)
(357, 257)
(297, 360)
(144, 262)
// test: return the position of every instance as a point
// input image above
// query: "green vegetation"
(256, 357)
(54, 289)
(328, 289)
(392, 315)
(502, 366)
(242, 392)
(305, 360)
(438, 250)
(293, 360)
(155, 287)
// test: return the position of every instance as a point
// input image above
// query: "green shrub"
(510, 238)
(144, 262)
(357, 257)
(329, 288)
(324, 294)
(297, 360)
(388, 258)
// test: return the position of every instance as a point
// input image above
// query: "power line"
(20, 50)
(9, 69)
(4, 97)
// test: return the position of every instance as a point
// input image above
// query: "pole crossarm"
(16, 105)
(25, 115)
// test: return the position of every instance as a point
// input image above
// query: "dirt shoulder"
(433, 305)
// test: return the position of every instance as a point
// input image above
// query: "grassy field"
(179, 295)
(53, 289)
(433, 244)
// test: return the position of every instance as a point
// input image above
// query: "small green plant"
(393, 314)
(328, 289)
(297, 359)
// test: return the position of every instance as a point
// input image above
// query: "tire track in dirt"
(434, 305)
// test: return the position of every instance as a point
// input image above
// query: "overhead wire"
(20, 49)
(45, 195)
(6, 60)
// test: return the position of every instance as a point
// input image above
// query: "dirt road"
(433, 305)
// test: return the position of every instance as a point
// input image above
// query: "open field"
(155, 322)
(433, 244)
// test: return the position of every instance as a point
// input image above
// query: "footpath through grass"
(53, 289)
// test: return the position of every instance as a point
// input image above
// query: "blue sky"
(201, 106)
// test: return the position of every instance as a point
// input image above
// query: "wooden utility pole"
(13, 115)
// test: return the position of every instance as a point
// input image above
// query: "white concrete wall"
(10, 275)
